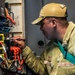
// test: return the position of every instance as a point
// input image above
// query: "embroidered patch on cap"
(62, 6)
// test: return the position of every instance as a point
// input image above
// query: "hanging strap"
(66, 54)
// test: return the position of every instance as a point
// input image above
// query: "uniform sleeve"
(35, 63)
(71, 45)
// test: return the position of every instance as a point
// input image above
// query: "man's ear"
(54, 23)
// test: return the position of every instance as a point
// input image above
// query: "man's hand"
(20, 41)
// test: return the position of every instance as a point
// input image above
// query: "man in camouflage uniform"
(54, 25)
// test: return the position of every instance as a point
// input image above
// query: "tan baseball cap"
(51, 10)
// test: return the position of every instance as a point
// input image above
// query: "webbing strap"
(66, 54)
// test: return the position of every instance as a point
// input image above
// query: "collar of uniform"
(69, 30)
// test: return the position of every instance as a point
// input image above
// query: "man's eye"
(42, 23)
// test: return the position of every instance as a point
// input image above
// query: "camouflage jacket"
(51, 61)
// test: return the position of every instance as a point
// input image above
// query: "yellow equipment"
(1, 48)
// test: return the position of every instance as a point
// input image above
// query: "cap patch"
(62, 6)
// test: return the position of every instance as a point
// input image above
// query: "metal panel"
(33, 34)
(17, 10)
(14, 1)
(35, 39)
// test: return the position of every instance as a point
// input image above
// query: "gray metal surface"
(32, 32)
